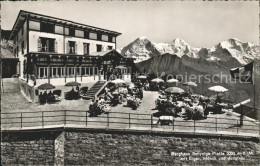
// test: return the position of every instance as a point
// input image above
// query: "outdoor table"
(166, 119)
(222, 104)
(187, 99)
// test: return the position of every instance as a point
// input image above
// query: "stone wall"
(112, 147)
(149, 149)
(28, 148)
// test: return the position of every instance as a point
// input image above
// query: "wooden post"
(151, 121)
(173, 124)
(49, 59)
(194, 127)
(65, 72)
(81, 73)
(94, 72)
(75, 73)
(86, 118)
(216, 124)
(42, 120)
(21, 120)
(129, 120)
(108, 119)
(65, 119)
(237, 126)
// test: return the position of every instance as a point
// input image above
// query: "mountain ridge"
(143, 49)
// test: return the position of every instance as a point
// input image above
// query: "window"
(72, 32)
(99, 47)
(93, 35)
(79, 33)
(86, 48)
(46, 27)
(72, 47)
(114, 39)
(110, 38)
(86, 34)
(99, 37)
(46, 45)
(110, 47)
(104, 38)
(58, 29)
(22, 47)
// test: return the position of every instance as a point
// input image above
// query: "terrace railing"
(121, 120)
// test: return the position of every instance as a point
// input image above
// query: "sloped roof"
(107, 53)
(24, 14)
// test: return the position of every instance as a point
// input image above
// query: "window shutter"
(68, 47)
(39, 45)
(56, 46)
(76, 48)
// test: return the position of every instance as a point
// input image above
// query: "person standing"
(77, 88)
(141, 94)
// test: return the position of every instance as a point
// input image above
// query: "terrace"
(75, 114)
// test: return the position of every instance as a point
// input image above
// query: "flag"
(244, 73)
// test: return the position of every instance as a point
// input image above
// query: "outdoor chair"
(57, 92)
(83, 90)
(50, 98)
(68, 96)
(42, 99)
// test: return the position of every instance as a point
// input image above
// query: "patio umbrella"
(174, 90)
(118, 81)
(190, 84)
(46, 86)
(131, 85)
(141, 77)
(115, 93)
(218, 89)
(72, 83)
(120, 67)
(172, 80)
(157, 80)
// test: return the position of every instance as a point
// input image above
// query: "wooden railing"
(42, 119)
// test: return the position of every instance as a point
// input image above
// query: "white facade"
(63, 40)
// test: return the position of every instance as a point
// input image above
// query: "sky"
(201, 24)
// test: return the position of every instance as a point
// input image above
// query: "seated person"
(45, 94)
(101, 101)
(218, 100)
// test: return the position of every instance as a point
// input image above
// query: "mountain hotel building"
(57, 51)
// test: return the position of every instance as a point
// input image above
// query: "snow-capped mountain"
(143, 49)
(234, 48)
(178, 47)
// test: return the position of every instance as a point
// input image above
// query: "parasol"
(175, 90)
(190, 84)
(131, 85)
(118, 81)
(46, 86)
(72, 83)
(218, 89)
(120, 67)
(172, 80)
(157, 80)
(142, 77)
